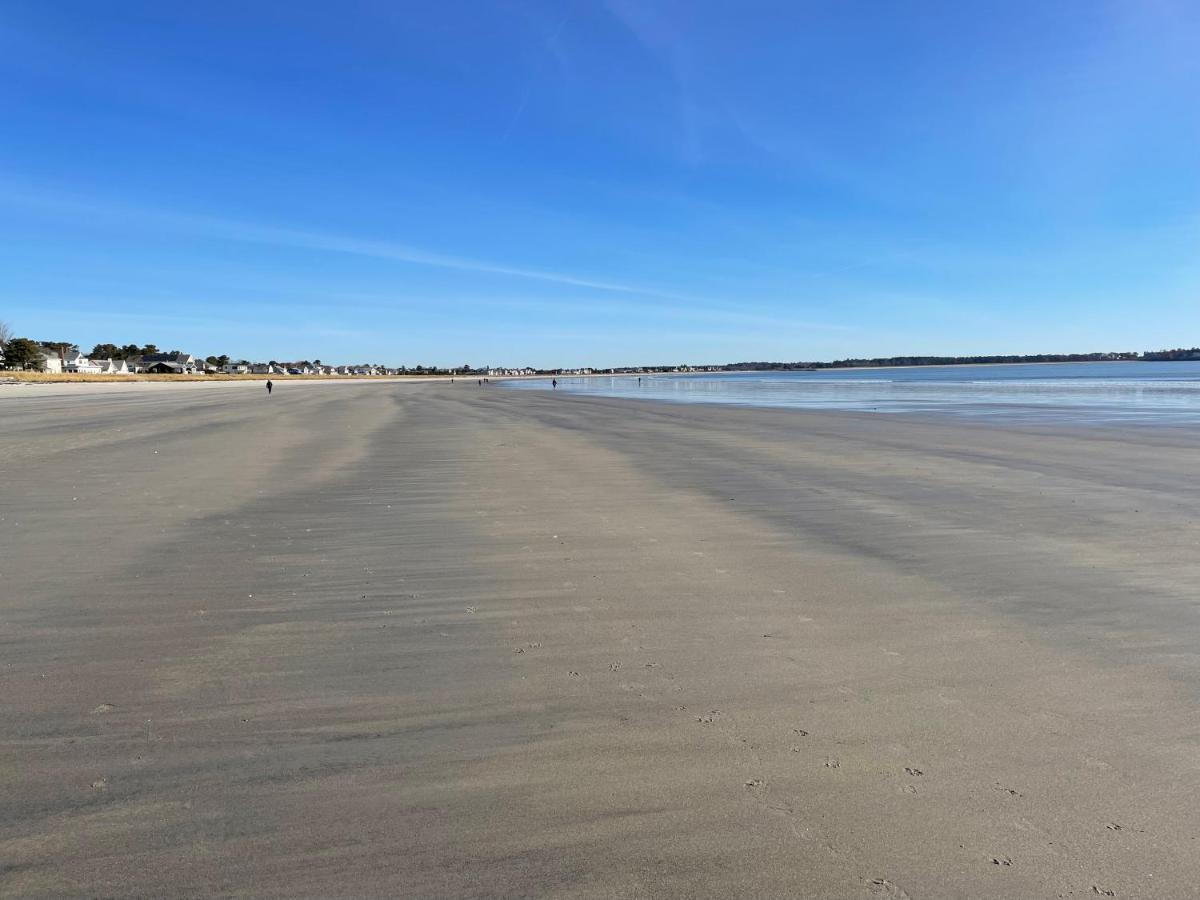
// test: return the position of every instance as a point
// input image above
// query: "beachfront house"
(76, 363)
(167, 368)
(113, 367)
(235, 369)
(176, 363)
(52, 360)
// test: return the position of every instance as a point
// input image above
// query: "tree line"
(23, 353)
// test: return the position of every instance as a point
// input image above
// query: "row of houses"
(498, 372)
(302, 369)
(59, 360)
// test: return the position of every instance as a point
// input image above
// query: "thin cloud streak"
(248, 232)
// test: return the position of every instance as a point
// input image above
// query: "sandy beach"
(432, 640)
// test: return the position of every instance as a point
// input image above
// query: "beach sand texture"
(444, 641)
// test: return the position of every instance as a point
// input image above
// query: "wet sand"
(443, 641)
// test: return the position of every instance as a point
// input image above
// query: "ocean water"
(1150, 392)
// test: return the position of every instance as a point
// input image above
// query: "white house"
(235, 369)
(53, 360)
(78, 364)
(113, 366)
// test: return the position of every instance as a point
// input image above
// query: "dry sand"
(444, 641)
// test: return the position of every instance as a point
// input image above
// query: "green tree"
(105, 351)
(130, 350)
(148, 350)
(22, 353)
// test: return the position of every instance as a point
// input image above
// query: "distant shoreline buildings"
(108, 359)
(68, 360)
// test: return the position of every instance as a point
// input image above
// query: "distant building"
(169, 368)
(76, 363)
(178, 363)
(53, 360)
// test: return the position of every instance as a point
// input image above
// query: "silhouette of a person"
(270, 387)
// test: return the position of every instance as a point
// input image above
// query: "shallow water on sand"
(1151, 392)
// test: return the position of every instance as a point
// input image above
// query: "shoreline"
(34, 378)
(56, 378)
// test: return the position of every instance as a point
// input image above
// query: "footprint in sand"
(757, 788)
(103, 708)
(881, 887)
(709, 717)
(1001, 861)
(831, 763)
(100, 784)
(1103, 892)
(911, 771)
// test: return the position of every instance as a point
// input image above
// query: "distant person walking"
(270, 387)
(554, 383)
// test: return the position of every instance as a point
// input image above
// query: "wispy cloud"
(655, 28)
(255, 233)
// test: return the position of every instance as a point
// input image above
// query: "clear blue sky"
(601, 181)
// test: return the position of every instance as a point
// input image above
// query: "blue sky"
(601, 181)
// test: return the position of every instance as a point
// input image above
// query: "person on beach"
(270, 387)
(554, 383)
